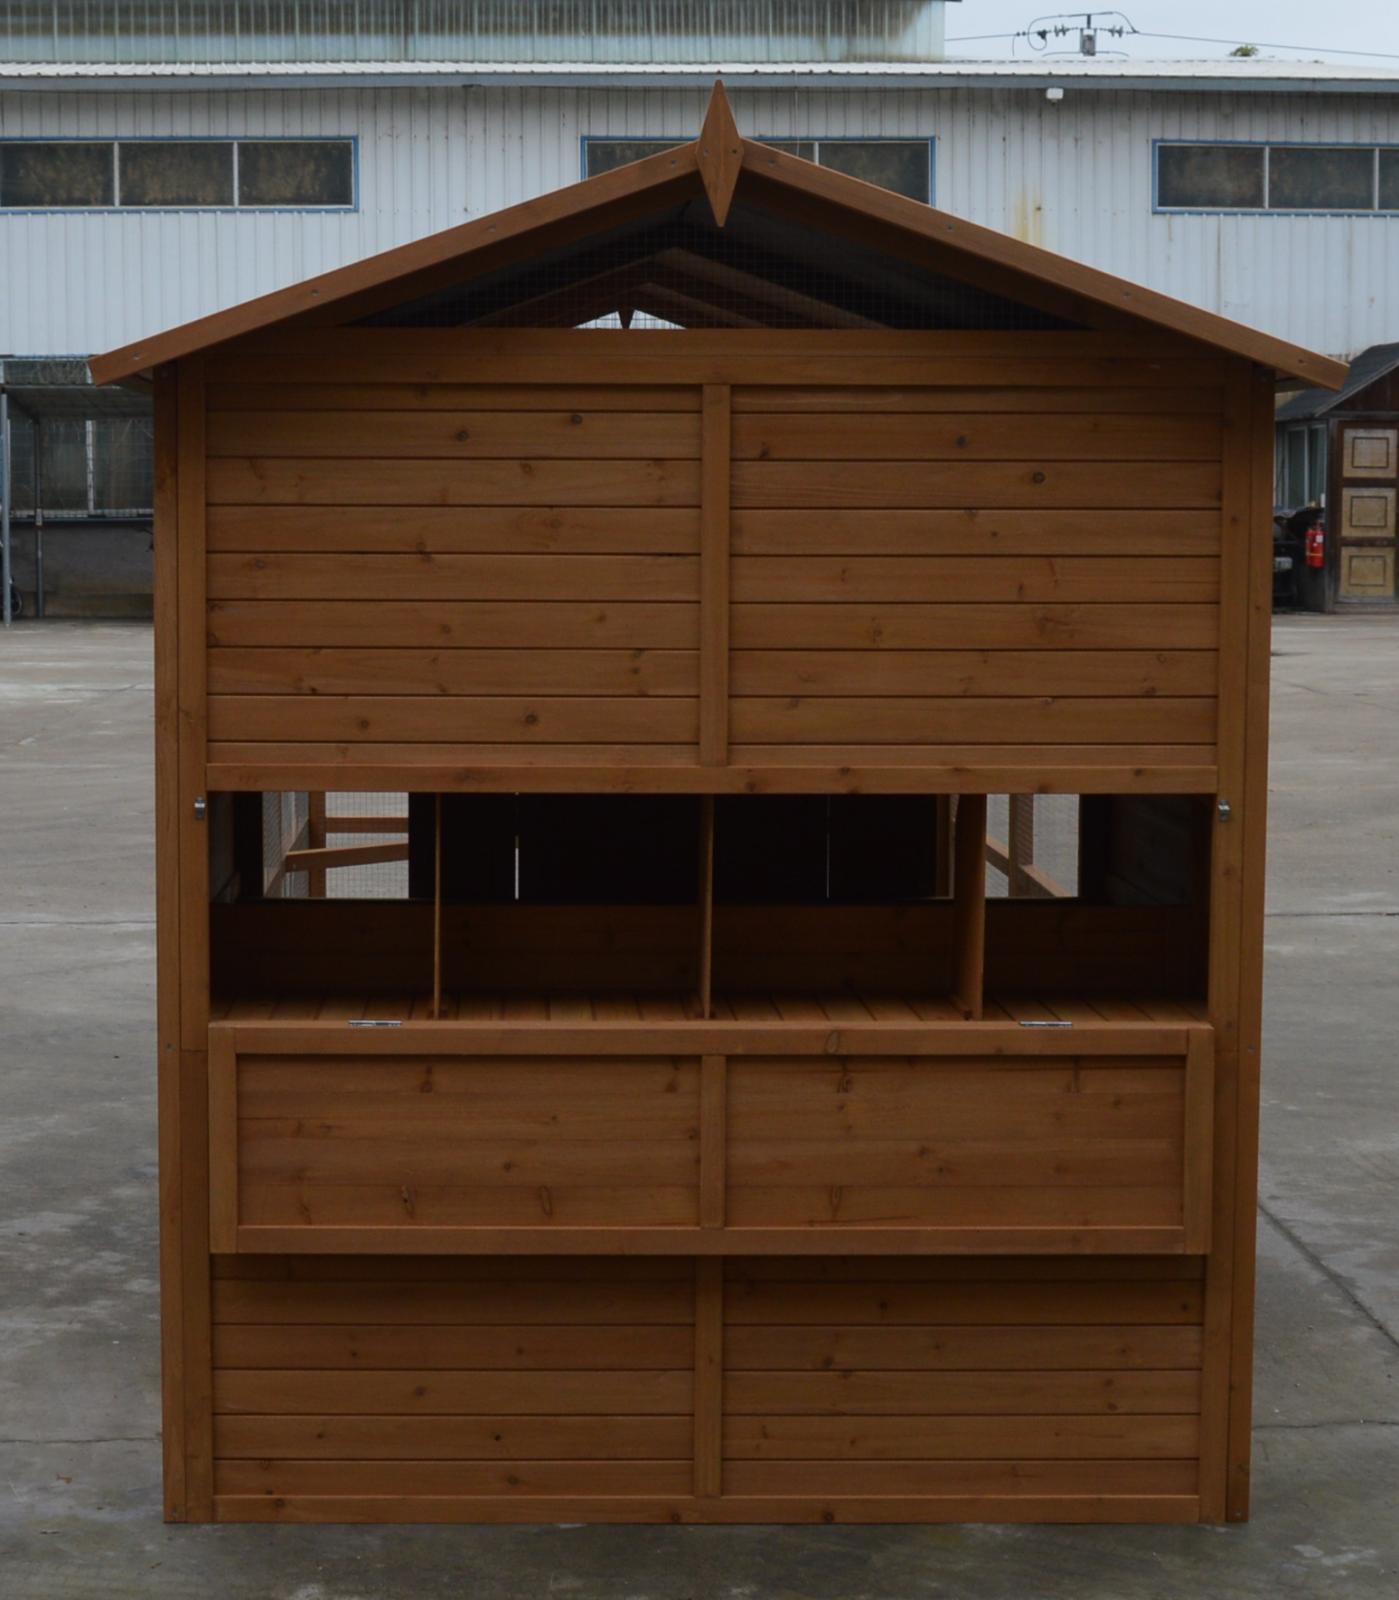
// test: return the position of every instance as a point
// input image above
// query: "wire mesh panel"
(336, 846)
(1032, 846)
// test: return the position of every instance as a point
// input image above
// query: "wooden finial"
(720, 153)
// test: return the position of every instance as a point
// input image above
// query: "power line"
(1193, 38)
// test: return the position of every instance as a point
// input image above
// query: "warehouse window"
(1276, 177)
(181, 174)
(903, 165)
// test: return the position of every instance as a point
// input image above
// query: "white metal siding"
(1075, 177)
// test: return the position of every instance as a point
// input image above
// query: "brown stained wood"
(1198, 1145)
(709, 1377)
(381, 1346)
(1112, 435)
(713, 1131)
(505, 1478)
(423, 576)
(1132, 674)
(535, 720)
(858, 579)
(456, 435)
(933, 626)
(840, 531)
(988, 1477)
(1018, 484)
(825, 1510)
(485, 530)
(321, 858)
(179, 1360)
(960, 1439)
(719, 156)
(715, 596)
(292, 396)
(658, 769)
(937, 1394)
(974, 400)
(988, 1348)
(538, 1393)
(367, 481)
(223, 1142)
(1250, 991)
(1044, 721)
(969, 904)
(508, 625)
(484, 1438)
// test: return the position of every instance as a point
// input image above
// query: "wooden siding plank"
(936, 1394)
(476, 624)
(840, 1439)
(932, 626)
(454, 435)
(971, 398)
(569, 1345)
(367, 481)
(1131, 674)
(293, 396)
(955, 484)
(485, 1438)
(1113, 435)
(535, 720)
(488, 530)
(337, 575)
(970, 531)
(939, 1348)
(1042, 721)
(537, 1393)
(866, 580)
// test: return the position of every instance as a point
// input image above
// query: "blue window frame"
(906, 166)
(173, 172)
(1279, 177)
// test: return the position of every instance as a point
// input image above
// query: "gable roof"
(1367, 368)
(725, 168)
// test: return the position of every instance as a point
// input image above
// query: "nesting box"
(711, 793)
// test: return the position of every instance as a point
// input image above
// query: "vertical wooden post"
(1227, 1359)
(706, 907)
(315, 840)
(437, 906)
(174, 1225)
(715, 475)
(192, 835)
(969, 905)
(709, 1375)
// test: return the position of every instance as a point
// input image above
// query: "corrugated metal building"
(162, 161)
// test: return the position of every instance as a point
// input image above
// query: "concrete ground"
(79, 1456)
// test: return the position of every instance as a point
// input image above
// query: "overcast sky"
(1326, 31)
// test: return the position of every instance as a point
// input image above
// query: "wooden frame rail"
(724, 1076)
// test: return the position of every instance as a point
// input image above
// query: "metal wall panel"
(1075, 177)
(209, 31)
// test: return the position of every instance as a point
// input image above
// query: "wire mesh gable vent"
(679, 270)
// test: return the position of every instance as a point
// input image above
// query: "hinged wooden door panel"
(710, 1138)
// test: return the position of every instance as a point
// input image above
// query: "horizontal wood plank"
(440, 1393)
(975, 673)
(937, 1394)
(938, 1348)
(840, 531)
(289, 395)
(567, 1346)
(487, 530)
(338, 575)
(931, 626)
(486, 1438)
(1041, 720)
(841, 1439)
(1111, 435)
(606, 672)
(367, 481)
(955, 484)
(465, 434)
(486, 624)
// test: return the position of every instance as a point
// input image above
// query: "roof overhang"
(1195, 77)
(719, 165)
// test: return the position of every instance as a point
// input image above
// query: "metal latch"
(1035, 1022)
(1226, 811)
(201, 809)
(375, 1022)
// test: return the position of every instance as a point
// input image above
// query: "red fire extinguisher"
(1316, 546)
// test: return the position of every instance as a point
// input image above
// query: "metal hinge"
(1225, 810)
(201, 809)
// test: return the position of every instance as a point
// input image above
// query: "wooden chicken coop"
(711, 792)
